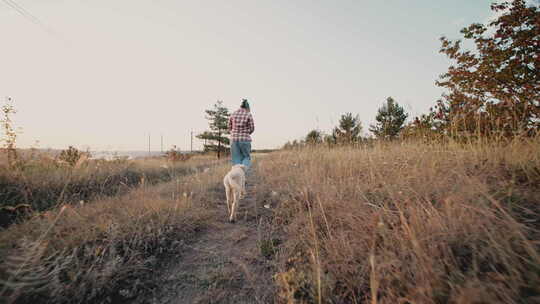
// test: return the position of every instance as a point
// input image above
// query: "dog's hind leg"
(236, 198)
(228, 194)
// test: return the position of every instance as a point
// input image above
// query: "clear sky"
(104, 74)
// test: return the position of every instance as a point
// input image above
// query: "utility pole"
(191, 141)
(161, 143)
(148, 144)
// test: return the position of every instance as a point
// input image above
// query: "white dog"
(235, 188)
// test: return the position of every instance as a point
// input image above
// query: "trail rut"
(224, 264)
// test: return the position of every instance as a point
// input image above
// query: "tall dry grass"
(408, 223)
(40, 183)
(105, 251)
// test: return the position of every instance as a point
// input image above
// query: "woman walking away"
(241, 126)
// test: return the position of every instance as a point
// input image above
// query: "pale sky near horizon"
(104, 74)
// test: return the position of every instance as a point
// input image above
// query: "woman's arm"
(251, 124)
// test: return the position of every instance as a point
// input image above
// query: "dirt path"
(225, 264)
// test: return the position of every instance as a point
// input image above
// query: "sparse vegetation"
(393, 222)
(174, 156)
(414, 223)
(105, 251)
(9, 137)
(347, 132)
(448, 213)
(269, 247)
(41, 182)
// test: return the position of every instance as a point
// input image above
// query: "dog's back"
(235, 188)
(235, 179)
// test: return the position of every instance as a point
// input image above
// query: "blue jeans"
(240, 151)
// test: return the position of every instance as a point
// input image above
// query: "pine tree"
(218, 120)
(349, 129)
(314, 137)
(390, 120)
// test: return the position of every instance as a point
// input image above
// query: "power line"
(21, 10)
(30, 17)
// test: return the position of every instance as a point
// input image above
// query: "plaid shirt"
(241, 125)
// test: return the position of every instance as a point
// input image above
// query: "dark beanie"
(245, 104)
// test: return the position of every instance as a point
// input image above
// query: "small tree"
(390, 120)
(216, 138)
(314, 137)
(348, 130)
(71, 155)
(495, 88)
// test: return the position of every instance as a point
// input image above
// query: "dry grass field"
(40, 182)
(419, 184)
(101, 251)
(389, 223)
(408, 223)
